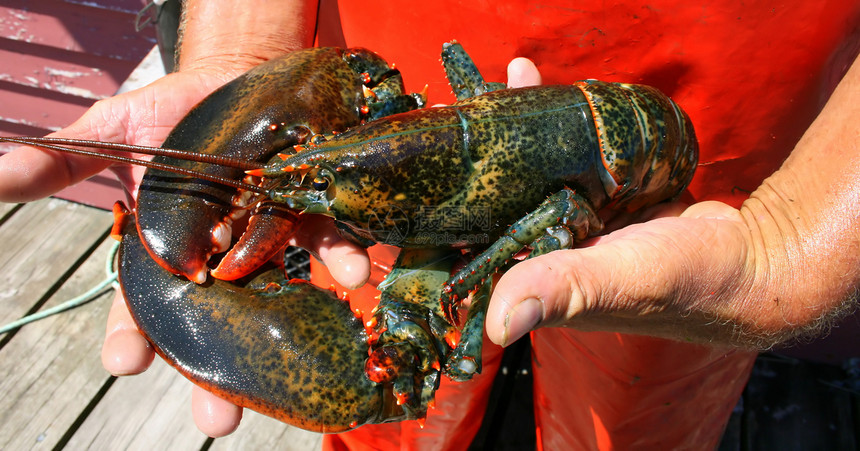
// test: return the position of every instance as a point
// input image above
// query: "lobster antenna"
(186, 155)
(47, 143)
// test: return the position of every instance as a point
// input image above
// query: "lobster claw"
(268, 230)
(286, 349)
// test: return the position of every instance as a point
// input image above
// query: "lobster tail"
(647, 142)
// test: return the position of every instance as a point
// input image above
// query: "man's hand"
(784, 264)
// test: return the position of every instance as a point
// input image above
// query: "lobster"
(499, 171)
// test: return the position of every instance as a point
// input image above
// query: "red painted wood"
(56, 59)
(75, 27)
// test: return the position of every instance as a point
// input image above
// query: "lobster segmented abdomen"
(647, 143)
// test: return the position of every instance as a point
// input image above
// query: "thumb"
(657, 278)
(523, 72)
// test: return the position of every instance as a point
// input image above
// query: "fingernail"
(521, 319)
(126, 352)
(351, 271)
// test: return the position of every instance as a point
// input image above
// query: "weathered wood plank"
(75, 27)
(147, 411)
(39, 107)
(40, 242)
(51, 369)
(68, 53)
(6, 209)
(261, 432)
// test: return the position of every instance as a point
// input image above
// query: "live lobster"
(494, 173)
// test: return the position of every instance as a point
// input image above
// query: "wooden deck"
(55, 392)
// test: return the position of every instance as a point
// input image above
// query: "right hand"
(145, 117)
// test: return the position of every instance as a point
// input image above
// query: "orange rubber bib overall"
(751, 75)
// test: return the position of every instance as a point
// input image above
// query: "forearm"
(804, 223)
(240, 34)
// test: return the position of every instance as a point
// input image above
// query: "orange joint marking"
(365, 78)
(436, 366)
(120, 218)
(365, 109)
(368, 93)
(272, 287)
(401, 398)
(284, 156)
(369, 325)
(299, 148)
(274, 127)
(256, 172)
(353, 424)
(452, 338)
(303, 167)
(288, 168)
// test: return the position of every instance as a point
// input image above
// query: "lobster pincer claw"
(268, 230)
(287, 349)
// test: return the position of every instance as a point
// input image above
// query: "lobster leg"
(411, 336)
(465, 360)
(463, 74)
(565, 208)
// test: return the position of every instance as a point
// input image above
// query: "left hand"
(711, 273)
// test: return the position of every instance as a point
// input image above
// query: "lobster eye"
(320, 183)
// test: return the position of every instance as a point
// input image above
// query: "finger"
(347, 262)
(125, 351)
(27, 173)
(640, 279)
(523, 72)
(214, 416)
(622, 219)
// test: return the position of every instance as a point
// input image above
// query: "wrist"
(228, 38)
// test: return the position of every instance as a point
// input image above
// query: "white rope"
(91, 294)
